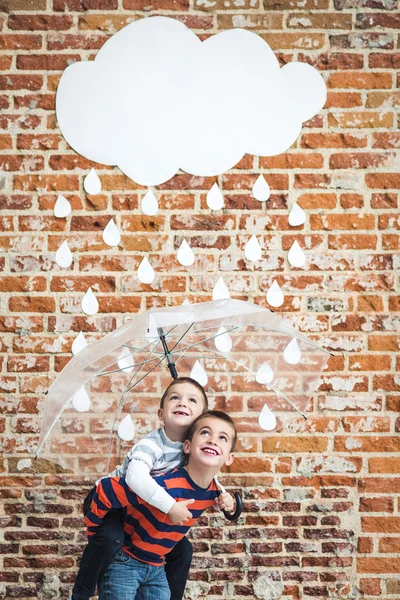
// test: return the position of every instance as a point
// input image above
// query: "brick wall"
(321, 503)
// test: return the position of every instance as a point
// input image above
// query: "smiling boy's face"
(182, 405)
(211, 443)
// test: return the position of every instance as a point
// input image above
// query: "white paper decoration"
(90, 306)
(215, 199)
(126, 429)
(275, 295)
(81, 401)
(145, 272)
(296, 256)
(220, 290)
(264, 374)
(62, 207)
(79, 343)
(111, 234)
(292, 354)
(126, 361)
(261, 190)
(185, 254)
(150, 204)
(297, 216)
(223, 341)
(267, 419)
(64, 255)
(109, 109)
(252, 249)
(198, 374)
(92, 183)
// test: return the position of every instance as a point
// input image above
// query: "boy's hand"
(225, 502)
(179, 514)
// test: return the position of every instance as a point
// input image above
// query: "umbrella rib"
(185, 348)
(124, 368)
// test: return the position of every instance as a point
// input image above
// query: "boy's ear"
(186, 447)
(160, 414)
(229, 460)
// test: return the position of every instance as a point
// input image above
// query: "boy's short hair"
(193, 382)
(218, 414)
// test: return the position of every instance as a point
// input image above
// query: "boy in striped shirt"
(157, 453)
(137, 570)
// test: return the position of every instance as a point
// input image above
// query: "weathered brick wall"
(321, 502)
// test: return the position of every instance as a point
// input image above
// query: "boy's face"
(211, 444)
(182, 405)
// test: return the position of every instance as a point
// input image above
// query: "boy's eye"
(223, 437)
(205, 431)
(193, 400)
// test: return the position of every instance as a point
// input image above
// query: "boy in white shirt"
(157, 453)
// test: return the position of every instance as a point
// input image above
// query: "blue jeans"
(126, 577)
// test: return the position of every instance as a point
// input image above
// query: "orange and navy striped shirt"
(148, 533)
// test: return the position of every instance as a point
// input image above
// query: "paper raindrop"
(297, 216)
(296, 256)
(223, 341)
(252, 249)
(90, 306)
(81, 401)
(126, 361)
(185, 254)
(145, 272)
(220, 290)
(126, 429)
(261, 189)
(79, 343)
(292, 354)
(198, 374)
(265, 374)
(111, 234)
(92, 183)
(266, 419)
(150, 204)
(63, 255)
(62, 207)
(275, 295)
(215, 199)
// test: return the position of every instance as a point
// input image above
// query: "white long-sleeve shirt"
(153, 455)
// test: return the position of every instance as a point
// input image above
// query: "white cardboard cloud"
(156, 99)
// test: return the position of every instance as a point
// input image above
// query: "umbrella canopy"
(111, 386)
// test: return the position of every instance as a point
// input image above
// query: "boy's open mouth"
(210, 451)
(180, 413)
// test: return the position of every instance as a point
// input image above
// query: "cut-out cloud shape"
(156, 99)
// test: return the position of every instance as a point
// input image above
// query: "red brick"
(42, 101)
(383, 180)
(360, 80)
(339, 222)
(314, 201)
(374, 20)
(84, 5)
(361, 120)
(359, 160)
(378, 565)
(351, 201)
(292, 161)
(40, 22)
(45, 62)
(10, 41)
(343, 100)
(31, 304)
(353, 241)
(21, 82)
(381, 201)
(370, 587)
(333, 140)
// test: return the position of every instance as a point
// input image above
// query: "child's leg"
(98, 553)
(155, 587)
(123, 577)
(177, 567)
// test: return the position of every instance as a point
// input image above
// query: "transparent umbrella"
(112, 387)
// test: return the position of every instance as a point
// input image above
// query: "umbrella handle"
(239, 505)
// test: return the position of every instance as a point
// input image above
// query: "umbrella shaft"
(170, 362)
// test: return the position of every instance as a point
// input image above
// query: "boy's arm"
(141, 482)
